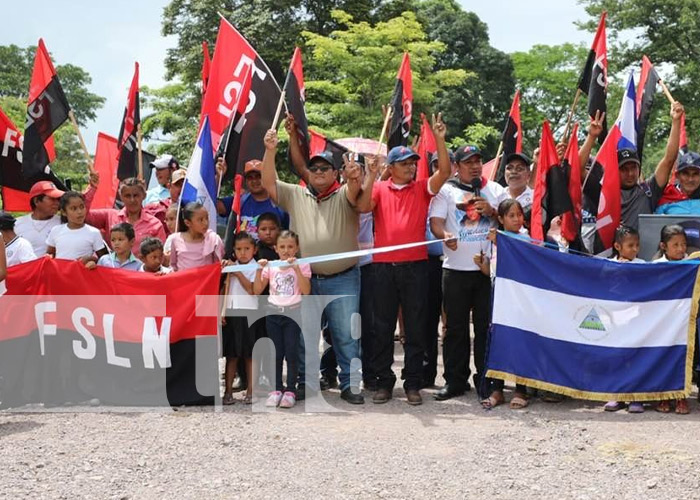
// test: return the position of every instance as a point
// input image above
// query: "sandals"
(248, 399)
(228, 399)
(494, 400)
(664, 406)
(682, 407)
(518, 402)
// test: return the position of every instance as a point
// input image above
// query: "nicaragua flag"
(200, 183)
(627, 119)
(592, 328)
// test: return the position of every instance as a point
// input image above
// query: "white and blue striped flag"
(592, 328)
(627, 119)
(200, 183)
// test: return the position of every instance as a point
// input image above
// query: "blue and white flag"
(627, 119)
(592, 328)
(200, 183)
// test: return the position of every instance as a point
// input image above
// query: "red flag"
(645, 98)
(548, 159)
(594, 78)
(237, 189)
(401, 105)
(294, 94)
(512, 139)
(320, 143)
(609, 203)
(47, 109)
(232, 56)
(229, 147)
(206, 63)
(127, 148)
(15, 187)
(426, 147)
(684, 138)
(571, 221)
(106, 165)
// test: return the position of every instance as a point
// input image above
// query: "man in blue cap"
(400, 206)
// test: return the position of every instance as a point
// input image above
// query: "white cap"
(164, 161)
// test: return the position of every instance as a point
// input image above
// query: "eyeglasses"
(315, 168)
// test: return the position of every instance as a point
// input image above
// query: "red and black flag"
(571, 220)
(206, 63)
(47, 109)
(15, 187)
(233, 57)
(551, 197)
(319, 143)
(594, 79)
(683, 142)
(601, 192)
(512, 138)
(127, 146)
(645, 98)
(230, 144)
(401, 106)
(426, 147)
(294, 94)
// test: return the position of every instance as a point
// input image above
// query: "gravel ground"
(453, 449)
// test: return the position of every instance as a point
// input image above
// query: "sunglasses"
(315, 168)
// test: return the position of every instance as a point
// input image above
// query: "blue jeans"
(338, 314)
(286, 335)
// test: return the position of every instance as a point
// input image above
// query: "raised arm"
(295, 153)
(364, 202)
(594, 130)
(444, 167)
(269, 172)
(665, 166)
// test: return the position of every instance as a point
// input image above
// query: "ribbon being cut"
(591, 328)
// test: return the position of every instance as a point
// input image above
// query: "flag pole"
(667, 93)
(74, 122)
(381, 135)
(226, 290)
(139, 136)
(571, 113)
(279, 111)
(497, 162)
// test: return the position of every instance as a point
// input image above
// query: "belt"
(329, 276)
(281, 309)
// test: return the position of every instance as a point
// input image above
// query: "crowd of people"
(364, 203)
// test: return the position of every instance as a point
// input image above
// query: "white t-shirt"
(524, 198)
(19, 251)
(237, 297)
(471, 234)
(36, 231)
(75, 243)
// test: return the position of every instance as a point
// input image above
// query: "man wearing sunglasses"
(325, 217)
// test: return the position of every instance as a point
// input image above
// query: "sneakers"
(273, 399)
(288, 400)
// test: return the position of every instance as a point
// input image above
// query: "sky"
(105, 38)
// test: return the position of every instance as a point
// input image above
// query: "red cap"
(252, 166)
(45, 187)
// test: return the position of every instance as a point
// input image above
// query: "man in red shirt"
(400, 206)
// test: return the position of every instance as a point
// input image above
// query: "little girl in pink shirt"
(195, 245)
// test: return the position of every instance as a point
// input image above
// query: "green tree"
(352, 72)
(486, 97)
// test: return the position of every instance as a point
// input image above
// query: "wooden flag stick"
(667, 93)
(91, 168)
(496, 164)
(226, 290)
(139, 136)
(571, 113)
(389, 113)
(279, 110)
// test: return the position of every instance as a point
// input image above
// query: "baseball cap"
(7, 221)
(466, 152)
(252, 166)
(434, 157)
(164, 161)
(627, 155)
(47, 188)
(325, 156)
(178, 175)
(689, 160)
(519, 156)
(401, 153)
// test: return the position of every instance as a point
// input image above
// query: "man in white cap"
(164, 166)
(36, 226)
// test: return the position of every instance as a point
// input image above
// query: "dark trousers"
(464, 292)
(285, 332)
(403, 284)
(434, 309)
